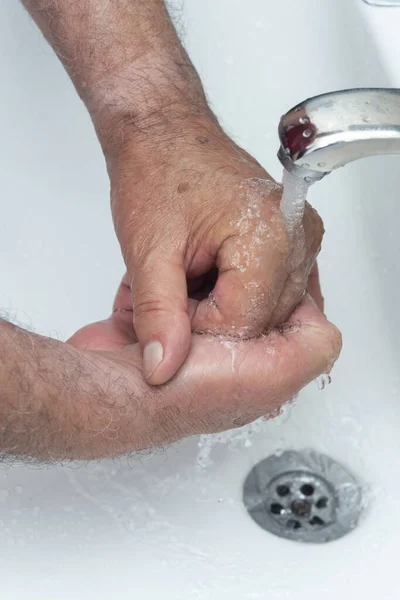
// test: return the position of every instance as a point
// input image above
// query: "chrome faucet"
(329, 131)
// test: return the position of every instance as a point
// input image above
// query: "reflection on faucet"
(329, 131)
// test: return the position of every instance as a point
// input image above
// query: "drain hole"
(301, 508)
(276, 509)
(283, 490)
(307, 489)
(317, 521)
(292, 524)
(322, 503)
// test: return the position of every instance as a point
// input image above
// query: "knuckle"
(145, 307)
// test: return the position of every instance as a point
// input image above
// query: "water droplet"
(322, 165)
(367, 119)
(304, 120)
(297, 109)
(305, 165)
(287, 151)
(323, 380)
(308, 179)
(307, 133)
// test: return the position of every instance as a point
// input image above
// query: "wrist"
(145, 101)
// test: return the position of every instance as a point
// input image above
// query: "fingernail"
(152, 356)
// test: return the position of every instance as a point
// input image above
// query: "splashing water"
(232, 437)
(242, 437)
(293, 200)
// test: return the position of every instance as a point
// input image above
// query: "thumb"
(160, 316)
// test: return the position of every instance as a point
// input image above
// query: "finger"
(314, 287)
(160, 315)
(115, 332)
(123, 299)
(122, 313)
(253, 268)
(102, 336)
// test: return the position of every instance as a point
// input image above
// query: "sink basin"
(162, 525)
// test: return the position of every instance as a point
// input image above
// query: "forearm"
(58, 404)
(125, 60)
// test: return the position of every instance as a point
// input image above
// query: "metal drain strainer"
(303, 496)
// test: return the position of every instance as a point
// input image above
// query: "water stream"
(293, 200)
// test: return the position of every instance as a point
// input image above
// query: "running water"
(293, 200)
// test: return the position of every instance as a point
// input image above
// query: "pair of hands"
(212, 276)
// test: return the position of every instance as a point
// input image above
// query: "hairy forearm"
(57, 404)
(125, 60)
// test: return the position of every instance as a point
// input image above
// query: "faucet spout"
(329, 131)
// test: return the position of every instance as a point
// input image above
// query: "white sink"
(160, 526)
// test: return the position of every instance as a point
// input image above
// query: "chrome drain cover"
(303, 496)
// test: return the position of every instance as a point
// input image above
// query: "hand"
(223, 384)
(194, 212)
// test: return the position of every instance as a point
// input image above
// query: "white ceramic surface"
(160, 526)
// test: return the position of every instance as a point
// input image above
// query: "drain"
(303, 496)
